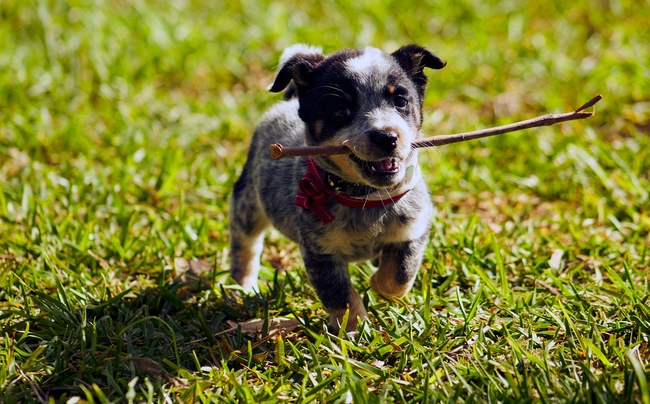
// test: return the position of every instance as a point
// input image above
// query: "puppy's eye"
(341, 112)
(401, 102)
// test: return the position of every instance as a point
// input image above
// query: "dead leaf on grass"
(241, 355)
(148, 365)
(277, 326)
(191, 270)
(377, 363)
(254, 326)
(556, 259)
(200, 267)
(197, 267)
(144, 364)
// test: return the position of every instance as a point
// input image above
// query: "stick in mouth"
(279, 152)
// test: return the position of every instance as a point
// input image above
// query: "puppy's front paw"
(387, 286)
(355, 316)
(357, 313)
(249, 284)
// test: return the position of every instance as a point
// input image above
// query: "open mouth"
(386, 166)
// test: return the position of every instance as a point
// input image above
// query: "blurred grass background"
(123, 125)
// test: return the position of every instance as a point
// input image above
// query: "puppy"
(370, 204)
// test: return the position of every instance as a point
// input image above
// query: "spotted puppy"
(370, 204)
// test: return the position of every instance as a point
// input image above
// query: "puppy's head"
(366, 99)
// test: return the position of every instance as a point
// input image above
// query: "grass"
(123, 126)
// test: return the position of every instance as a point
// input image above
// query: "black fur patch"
(240, 184)
(408, 258)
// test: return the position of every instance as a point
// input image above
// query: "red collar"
(315, 193)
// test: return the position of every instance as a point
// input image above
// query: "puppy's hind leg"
(247, 225)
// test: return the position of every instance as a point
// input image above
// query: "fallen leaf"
(181, 265)
(254, 326)
(226, 347)
(556, 259)
(191, 271)
(200, 267)
(144, 364)
(377, 363)
(148, 365)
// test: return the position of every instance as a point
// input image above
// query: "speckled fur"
(368, 82)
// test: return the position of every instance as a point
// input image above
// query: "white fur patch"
(382, 119)
(396, 232)
(368, 60)
(296, 49)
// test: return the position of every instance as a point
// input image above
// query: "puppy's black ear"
(296, 63)
(413, 59)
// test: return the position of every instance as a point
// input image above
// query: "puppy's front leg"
(331, 279)
(398, 265)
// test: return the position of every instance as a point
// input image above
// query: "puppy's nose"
(385, 140)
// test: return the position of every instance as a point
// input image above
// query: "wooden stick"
(279, 152)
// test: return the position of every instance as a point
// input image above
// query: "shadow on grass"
(62, 345)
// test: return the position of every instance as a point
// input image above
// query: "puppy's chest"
(358, 239)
